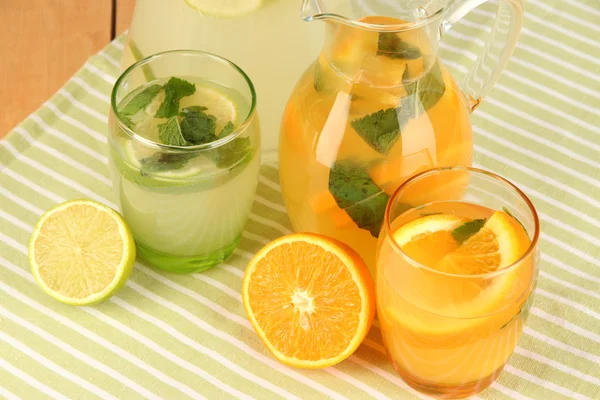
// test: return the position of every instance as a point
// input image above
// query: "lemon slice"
(81, 252)
(224, 8)
(136, 152)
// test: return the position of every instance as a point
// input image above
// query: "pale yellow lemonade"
(248, 33)
(181, 206)
(445, 333)
(352, 84)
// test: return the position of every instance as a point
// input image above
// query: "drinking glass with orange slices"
(455, 278)
(456, 269)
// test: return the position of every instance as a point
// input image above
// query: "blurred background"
(49, 41)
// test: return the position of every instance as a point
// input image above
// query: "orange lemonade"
(454, 284)
(373, 110)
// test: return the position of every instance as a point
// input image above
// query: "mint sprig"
(468, 229)
(231, 153)
(175, 90)
(170, 133)
(141, 100)
(127, 121)
(227, 129)
(391, 45)
(159, 162)
(198, 127)
(383, 128)
(189, 127)
(355, 192)
(424, 93)
(380, 129)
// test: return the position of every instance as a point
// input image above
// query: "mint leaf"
(391, 45)
(523, 313)
(175, 90)
(227, 129)
(425, 92)
(380, 130)
(355, 192)
(170, 134)
(127, 121)
(141, 100)
(197, 127)
(318, 78)
(233, 152)
(467, 230)
(516, 219)
(159, 162)
(321, 82)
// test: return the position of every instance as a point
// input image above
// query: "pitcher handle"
(498, 49)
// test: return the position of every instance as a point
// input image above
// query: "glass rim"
(487, 275)
(399, 27)
(182, 149)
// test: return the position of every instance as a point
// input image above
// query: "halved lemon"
(310, 299)
(224, 8)
(81, 252)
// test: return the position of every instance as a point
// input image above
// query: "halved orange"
(310, 299)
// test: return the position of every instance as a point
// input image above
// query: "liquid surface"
(223, 103)
(450, 335)
(361, 121)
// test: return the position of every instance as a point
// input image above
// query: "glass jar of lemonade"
(184, 155)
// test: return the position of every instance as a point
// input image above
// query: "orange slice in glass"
(429, 241)
(500, 242)
(310, 299)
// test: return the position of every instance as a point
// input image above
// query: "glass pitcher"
(267, 39)
(378, 106)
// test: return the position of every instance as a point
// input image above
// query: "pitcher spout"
(407, 14)
(311, 9)
(375, 42)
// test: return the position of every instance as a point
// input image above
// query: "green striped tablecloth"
(169, 336)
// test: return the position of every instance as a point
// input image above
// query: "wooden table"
(44, 42)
